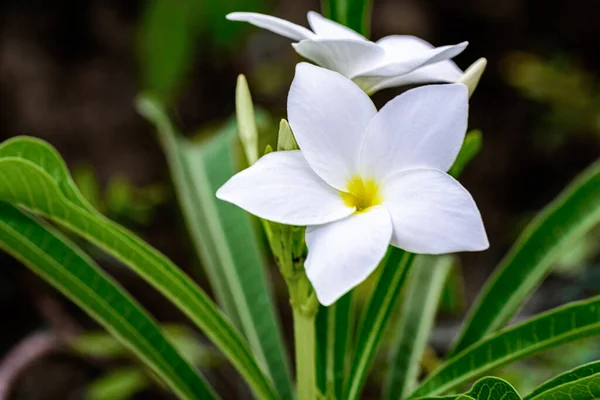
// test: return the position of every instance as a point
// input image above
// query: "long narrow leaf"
(565, 220)
(581, 372)
(355, 14)
(334, 331)
(24, 181)
(561, 325)
(421, 298)
(385, 296)
(166, 42)
(225, 239)
(469, 149)
(52, 256)
(195, 213)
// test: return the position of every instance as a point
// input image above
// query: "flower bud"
(471, 76)
(285, 139)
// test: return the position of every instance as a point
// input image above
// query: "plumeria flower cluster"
(395, 60)
(363, 179)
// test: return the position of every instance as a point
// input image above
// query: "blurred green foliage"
(571, 93)
(172, 32)
(453, 299)
(125, 381)
(167, 44)
(580, 255)
(118, 384)
(121, 199)
(100, 344)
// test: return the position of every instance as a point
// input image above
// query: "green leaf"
(334, 331)
(190, 345)
(453, 295)
(224, 237)
(558, 326)
(587, 388)
(571, 376)
(118, 384)
(244, 110)
(492, 388)
(52, 256)
(25, 181)
(421, 299)
(561, 223)
(355, 14)
(98, 344)
(103, 345)
(470, 148)
(197, 201)
(166, 45)
(48, 159)
(218, 31)
(394, 271)
(488, 388)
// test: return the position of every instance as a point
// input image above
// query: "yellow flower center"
(361, 193)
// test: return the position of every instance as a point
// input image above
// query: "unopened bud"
(285, 139)
(471, 76)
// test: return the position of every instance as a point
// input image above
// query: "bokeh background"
(70, 71)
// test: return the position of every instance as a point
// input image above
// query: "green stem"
(304, 339)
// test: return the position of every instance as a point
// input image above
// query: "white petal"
(329, 29)
(344, 253)
(407, 53)
(329, 116)
(349, 57)
(404, 46)
(423, 127)
(443, 71)
(282, 187)
(432, 213)
(273, 24)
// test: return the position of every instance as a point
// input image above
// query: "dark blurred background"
(70, 70)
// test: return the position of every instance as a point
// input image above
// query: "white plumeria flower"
(392, 61)
(364, 179)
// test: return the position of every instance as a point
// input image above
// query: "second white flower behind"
(395, 60)
(364, 179)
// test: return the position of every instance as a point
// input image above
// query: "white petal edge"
(273, 24)
(329, 116)
(281, 187)
(344, 253)
(432, 213)
(443, 71)
(349, 57)
(394, 66)
(423, 127)
(401, 47)
(329, 29)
